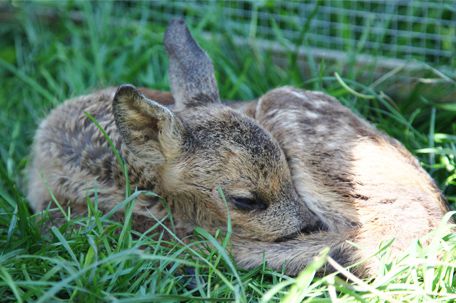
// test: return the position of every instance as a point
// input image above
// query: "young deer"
(300, 172)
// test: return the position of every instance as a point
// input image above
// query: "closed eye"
(248, 204)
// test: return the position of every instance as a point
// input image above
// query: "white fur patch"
(321, 128)
(311, 115)
(315, 102)
(299, 95)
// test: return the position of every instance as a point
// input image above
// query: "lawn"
(53, 51)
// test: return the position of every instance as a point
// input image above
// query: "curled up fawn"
(300, 172)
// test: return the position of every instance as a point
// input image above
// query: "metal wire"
(400, 29)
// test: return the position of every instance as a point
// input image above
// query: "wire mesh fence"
(405, 30)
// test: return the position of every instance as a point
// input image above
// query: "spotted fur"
(299, 171)
(363, 185)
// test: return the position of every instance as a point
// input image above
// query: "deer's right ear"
(145, 125)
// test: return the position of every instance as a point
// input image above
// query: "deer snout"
(299, 218)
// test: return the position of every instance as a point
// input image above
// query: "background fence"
(387, 31)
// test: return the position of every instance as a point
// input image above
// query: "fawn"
(300, 172)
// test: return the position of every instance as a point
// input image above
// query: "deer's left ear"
(191, 72)
(145, 125)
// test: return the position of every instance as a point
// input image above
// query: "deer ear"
(145, 125)
(191, 73)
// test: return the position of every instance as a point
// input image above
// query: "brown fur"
(300, 171)
(365, 186)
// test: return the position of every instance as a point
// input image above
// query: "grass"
(44, 60)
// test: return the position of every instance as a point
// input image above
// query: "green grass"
(44, 61)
